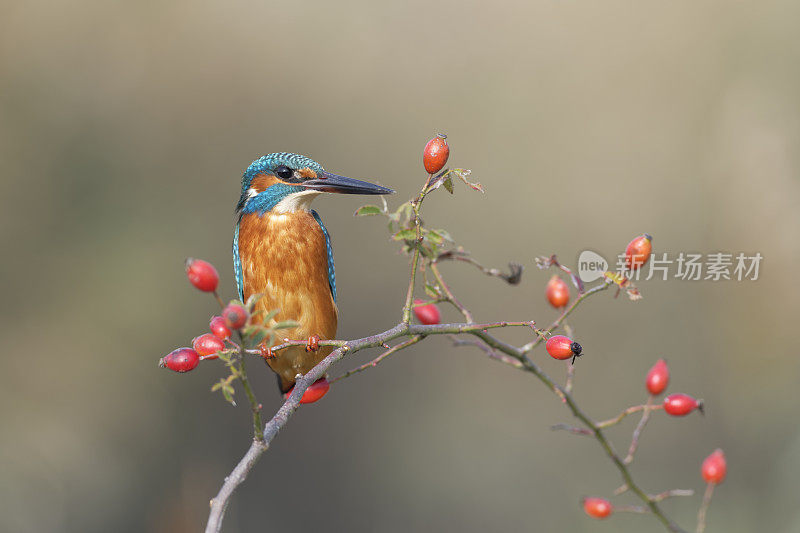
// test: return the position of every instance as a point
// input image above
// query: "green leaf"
(444, 234)
(404, 211)
(366, 210)
(448, 184)
(464, 174)
(253, 300)
(405, 235)
(250, 330)
(259, 336)
(434, 236)
(432, 291)
(227, 392)
(285, 324)
(269, 316)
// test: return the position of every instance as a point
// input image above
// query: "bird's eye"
(284, 172)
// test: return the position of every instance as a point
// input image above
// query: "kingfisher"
(282, 250)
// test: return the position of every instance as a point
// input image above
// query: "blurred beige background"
(124, 130)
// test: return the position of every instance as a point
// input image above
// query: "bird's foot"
(266, 351)
(313, 343)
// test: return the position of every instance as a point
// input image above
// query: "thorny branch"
(425, 255)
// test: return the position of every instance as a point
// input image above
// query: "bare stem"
(631, 509)
(573, 429)
(450, 296)
(251, 397)
(415, 256)
(629, 411)
(489, 351)
(594, 290)
(701, 514)
(219, 300)
(372, 364)
(512, 278)
(671, 494)
(637, 433)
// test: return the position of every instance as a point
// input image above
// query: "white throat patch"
(299, 201)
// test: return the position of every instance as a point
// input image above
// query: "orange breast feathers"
(285, 258)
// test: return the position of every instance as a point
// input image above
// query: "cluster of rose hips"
(714, 467)
(204, 277)
(557, 293)
(636, 255)
(713, 471)
(562, 347)
(234, 317)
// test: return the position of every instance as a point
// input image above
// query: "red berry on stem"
(207, 345)
(180, 360)
(715, 467)
(597, 507)
(317, 390)
(235, 316)
(219, 328)
(638, 251)
(202, 274)
(427, 314)
(435, 155)
(657, 378)
(557, 292)
(681, 404)
(562, 347)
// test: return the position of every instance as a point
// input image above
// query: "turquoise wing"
(237, 264)
(331, 270)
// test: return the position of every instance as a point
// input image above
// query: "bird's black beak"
(327, 182)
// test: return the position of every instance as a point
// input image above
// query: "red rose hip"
(202, 274)
(207, 346)
(435, 155)
(557, 292)
(681, 404)
(235, 316)
(427, 314)
(714, 468)
(317, 390)
(657, 378)
(638, 251)
(180, 360)
(597, 507)
(562, 347)
(218, 328)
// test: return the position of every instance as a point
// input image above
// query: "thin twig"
(219, 300)
(415, 256)
(701, 514)
(638, 509)
(629, 411)
(421, 329)
(573, 429)
(255, 407)
(570, 364)
(637, 433)
(372, 364)
(671, 494)
(490, 353)
(594, 290)
(512, 278)
(450, 296)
